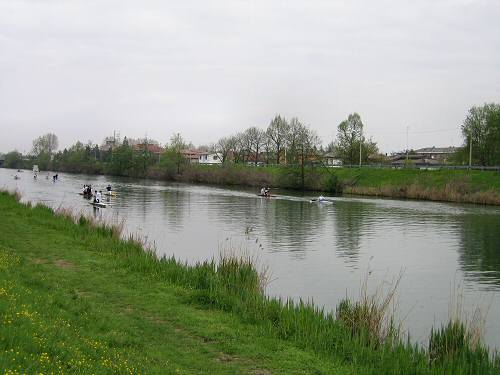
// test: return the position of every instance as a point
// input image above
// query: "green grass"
(441, 185)
(74, 298)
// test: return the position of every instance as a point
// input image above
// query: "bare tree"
(277, 132)
(224, 147)
(255, 140)
(292, 139)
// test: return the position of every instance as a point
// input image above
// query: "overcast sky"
(83, 68)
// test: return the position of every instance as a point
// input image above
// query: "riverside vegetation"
(75, 297)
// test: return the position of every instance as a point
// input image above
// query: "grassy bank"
(75, 298)
(481, 187)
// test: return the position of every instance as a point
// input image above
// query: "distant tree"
(292, 140)
(172, 159)
(122, 161)
(13, 159)
(349, 133)
(482, 125)
(255, 140)
(46, 144)
(303, 143)
(277, 132)
(224, 147)
(240, 147)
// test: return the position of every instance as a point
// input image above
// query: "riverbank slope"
(76, 299)
(447, 185)
(482, 187)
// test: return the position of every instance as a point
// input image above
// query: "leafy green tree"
(482, 126)
(349, 133)
(121, 161)
(173, 159)
(13, 159)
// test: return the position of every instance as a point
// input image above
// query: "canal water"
(317, 252)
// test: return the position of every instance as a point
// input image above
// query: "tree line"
(289, 142)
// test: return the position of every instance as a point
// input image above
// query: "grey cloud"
(84, 68)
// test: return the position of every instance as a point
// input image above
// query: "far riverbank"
(461, 186)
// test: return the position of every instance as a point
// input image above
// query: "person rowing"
(263, 191)
(97, 196)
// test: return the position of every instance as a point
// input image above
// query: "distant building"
(331, 160)
(401, 160)
(209, 158)
(151, 147)
(193, 156)
(110, 143)
(436, 153)
(423, 157)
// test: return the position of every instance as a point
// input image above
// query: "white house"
(209, 158)
(331, 160)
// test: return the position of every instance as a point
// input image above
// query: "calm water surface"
(314, 251)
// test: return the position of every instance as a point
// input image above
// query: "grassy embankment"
(75, 298)
(440, 185)
(482, 187)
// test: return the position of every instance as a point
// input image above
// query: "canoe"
(110, 193)
(101, 205)
(266, 196)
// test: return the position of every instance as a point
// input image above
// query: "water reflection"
(349, 222)
(480, 247)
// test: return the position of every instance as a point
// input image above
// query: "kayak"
(101, 205)
(325, 201)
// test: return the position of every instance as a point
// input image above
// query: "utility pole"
(470, 149)
(360, 145)
(407, 127)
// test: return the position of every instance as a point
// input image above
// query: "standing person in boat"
(99, 195)
(96, 197)
(263, 191)
(108, 188)
(266, 192)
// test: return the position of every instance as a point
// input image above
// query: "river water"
(318, 252)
